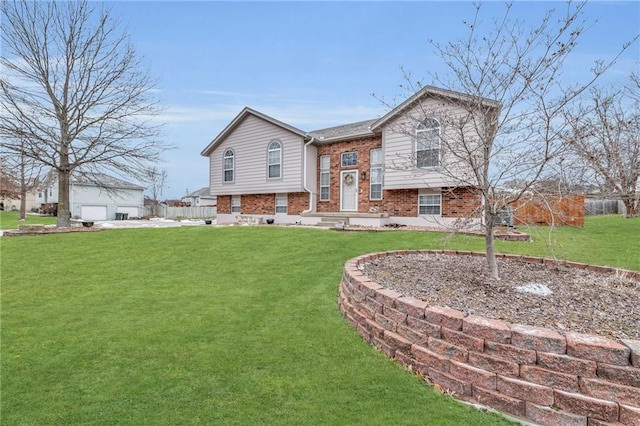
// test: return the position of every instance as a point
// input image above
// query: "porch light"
(363, 175)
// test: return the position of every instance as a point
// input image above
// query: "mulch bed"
(581, 300)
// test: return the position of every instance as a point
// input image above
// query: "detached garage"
(93, 213)
(97, 196)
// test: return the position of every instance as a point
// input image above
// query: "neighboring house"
(200, 198)
(375, 172)
(12, 202)
(10, 195)
(102, 197)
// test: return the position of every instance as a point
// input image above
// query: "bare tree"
(508, 104)
(8, 183)
(604, 132)
(156, 178)
(74, 91)
(27, 172)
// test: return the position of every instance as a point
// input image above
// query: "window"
(429, 204)
(281, 203)
(275, 159)
(375, 175)
(325, 162)
(428, 143)
(235, 204)
(349, 159)
(229, 165)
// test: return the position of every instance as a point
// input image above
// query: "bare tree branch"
(505, 62)
(604, 132)
(74, 89)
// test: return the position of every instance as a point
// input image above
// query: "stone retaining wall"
(529, 372)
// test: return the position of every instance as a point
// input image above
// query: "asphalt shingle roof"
(361, 128)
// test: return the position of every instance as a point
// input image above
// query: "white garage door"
(94, 212)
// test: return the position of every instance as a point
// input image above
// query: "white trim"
(279, 164)
(224, 165)
(426, 204)
(239, 199)
(284, 197)
(326, 171)
(355, 182)
(423, 127)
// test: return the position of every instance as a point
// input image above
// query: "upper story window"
(375, 175)
(349, 159)
(428, 143)
(275, 160)
(229, 163)
(325, 177)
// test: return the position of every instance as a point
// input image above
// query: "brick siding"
(335, 150)
(224, 204)
(530, 372)
(264, 204)
(460, 202)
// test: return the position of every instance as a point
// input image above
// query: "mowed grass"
(9, 220)
(205, 325)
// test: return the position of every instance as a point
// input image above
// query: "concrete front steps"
(333, 221)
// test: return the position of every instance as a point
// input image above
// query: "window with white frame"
(281, 203)
(275, 160)
(228, 165)
(235, 204)
(429, 204)
(375, 175)
(349, 159)
(325, 163)
(428, 143)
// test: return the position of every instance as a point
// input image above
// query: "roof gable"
(431, 92)
(237, 121)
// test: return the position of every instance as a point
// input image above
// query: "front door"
(349, 191)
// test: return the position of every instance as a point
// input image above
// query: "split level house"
(390, 170)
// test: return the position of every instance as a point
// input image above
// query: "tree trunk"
(64, 213)
(23, 185)
(630, 206)
(489, 244)
(23, 202)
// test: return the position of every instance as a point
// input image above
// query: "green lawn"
(235, 325)
(9, 219)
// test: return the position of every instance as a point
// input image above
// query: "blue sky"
(314, 64)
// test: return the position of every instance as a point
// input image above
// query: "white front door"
(349, 191)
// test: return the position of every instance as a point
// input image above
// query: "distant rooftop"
(202, 192)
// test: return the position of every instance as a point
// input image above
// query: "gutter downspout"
(304, 175)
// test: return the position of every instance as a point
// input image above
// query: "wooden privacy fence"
(552, 210)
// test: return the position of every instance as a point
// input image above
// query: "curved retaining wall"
(529, 372)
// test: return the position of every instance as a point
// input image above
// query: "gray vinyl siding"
(249, 142)
(398, 142)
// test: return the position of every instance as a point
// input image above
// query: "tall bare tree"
(518, 67)
(156, 178)
(74, 90)
(604, 132)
